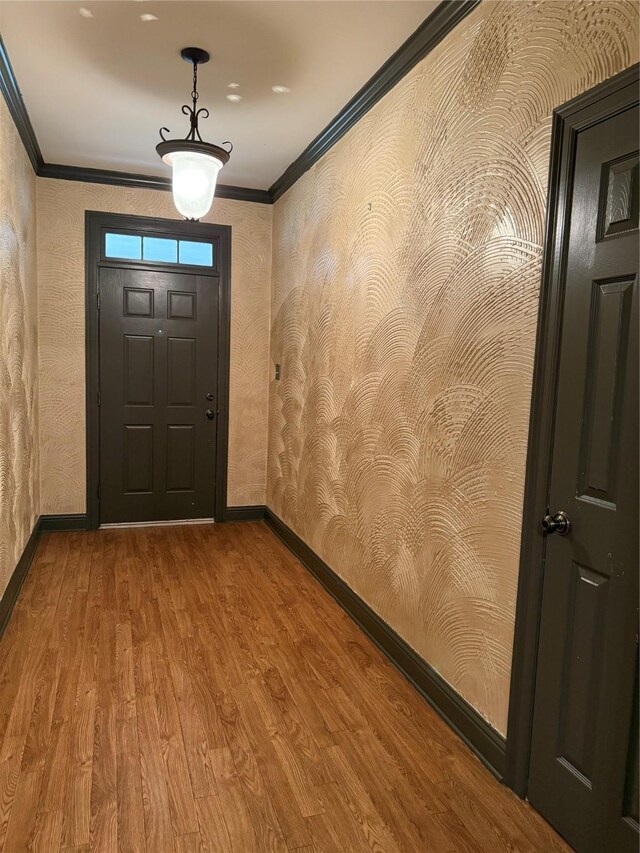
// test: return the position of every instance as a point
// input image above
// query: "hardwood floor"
(194, 689)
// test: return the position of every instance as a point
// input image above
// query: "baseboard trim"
(477, 734)
(245, 513)
(61, 523)
(11, 593)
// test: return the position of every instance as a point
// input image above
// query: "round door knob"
(558, 523)
(209, 414)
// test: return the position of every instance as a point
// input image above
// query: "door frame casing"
(604, 101)
(96, 222)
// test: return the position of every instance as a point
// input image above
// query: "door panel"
(582, 667)
(138, 459)
(180, 457)
(158, 350)
(581, 777)
(181, 371)
(138, 370)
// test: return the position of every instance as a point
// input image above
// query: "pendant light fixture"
(195, 163)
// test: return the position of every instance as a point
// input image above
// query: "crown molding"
(145, 182)
(19, 114)
(430, 33)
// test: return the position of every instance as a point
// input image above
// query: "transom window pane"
(196, 254)
(160, 249)
(165, 250)
(126, 246)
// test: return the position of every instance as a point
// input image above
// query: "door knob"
(209, 414)
(558, 523)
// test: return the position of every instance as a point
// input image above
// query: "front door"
(158, 385)
(584, 759)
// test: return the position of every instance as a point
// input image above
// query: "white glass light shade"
(194, 181)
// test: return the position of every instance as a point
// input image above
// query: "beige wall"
(19, 507)
(405, 293)
(61, 282)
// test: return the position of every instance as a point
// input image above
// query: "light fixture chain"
(194, 93)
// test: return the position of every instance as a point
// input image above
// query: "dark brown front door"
(584, 759)
(158, 384)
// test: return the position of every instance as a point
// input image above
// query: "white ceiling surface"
(97, 89)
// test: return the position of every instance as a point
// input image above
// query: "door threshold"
(169, 523)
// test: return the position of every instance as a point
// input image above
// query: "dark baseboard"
(11, 593)
(245, 513)
(60, 523)
(478, 735)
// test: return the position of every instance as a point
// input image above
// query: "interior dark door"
(584, 760)
(158, 350)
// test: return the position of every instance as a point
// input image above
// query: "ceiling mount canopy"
(195, 163)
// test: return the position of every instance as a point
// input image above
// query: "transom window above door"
(168, 250)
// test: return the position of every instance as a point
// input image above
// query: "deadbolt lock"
(558, 523)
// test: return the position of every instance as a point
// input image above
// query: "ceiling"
(99, 84)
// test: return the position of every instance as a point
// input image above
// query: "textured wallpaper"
(406, 274)
(19, 507)
(61, 274)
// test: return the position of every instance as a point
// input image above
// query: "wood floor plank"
(181, 800)
(38, 736)
(24, 696)
(282, 718)
(22, 822)
(47, 833)
(9, 776)
(60, 752)
(392, 797)
(237, 817)
(130, 809)
(353, 793)
(268, 831)
(125, 675)
(325, 834)
(104, 803)
(213, 829)
(155, 796)
(77, 809)
(194, 688)
(285, 798)
(193, 734)
(191, 843)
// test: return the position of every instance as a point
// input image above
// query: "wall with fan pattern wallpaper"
(19, 502)
(406, 274)
(61, 282)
